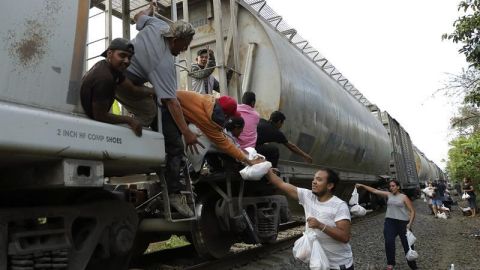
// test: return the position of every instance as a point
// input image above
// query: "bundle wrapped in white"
(356, 210)
(411, 254)
(354, 199)
(428, 191)
(256, 171)
(465, 196)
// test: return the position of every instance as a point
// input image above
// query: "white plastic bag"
(465, 196)
(442, 215)
(318, 258)
(354, 199)
(302, 249)
(256, 171)
(411, 238)
(358, 211)
(412, 255)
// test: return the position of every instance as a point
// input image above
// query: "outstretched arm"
(287, 188)
(148, 12)
(294, 148)
(373, 190)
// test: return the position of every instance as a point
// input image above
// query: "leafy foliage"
(464, 158)
(467, 32)
(467, 121)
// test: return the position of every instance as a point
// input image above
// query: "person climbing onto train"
(324, 212)
(268, 132)
(156, 45)
(248, 137)
(100, 84)
(397, 220)
(203, 81)
(210, 115)
(469, 189)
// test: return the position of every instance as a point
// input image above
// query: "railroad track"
(186, 257)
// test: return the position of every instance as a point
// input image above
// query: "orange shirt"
(197, 109)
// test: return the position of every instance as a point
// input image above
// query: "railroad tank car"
(423, 167)
(59, 158)
(322, 117)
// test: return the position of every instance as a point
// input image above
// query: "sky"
(393, 53)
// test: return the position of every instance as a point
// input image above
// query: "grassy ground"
(173, 242)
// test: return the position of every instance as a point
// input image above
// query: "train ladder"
(188, 193)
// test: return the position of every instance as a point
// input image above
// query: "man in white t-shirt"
(325, 212)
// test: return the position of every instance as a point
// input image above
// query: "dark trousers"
(391, 229)
(174, 149)
(270, 152)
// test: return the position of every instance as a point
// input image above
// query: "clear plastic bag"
(358, 211)
(302, 249)
(411, 238)
(354, 199)
(412, 255)
(465, 196)
(318, 259)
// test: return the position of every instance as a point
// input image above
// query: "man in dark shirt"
(100, 82)
(268, 132)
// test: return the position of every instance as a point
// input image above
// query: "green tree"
(467, 33)
(464, 158)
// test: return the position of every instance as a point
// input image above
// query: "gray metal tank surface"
(423, 167)
(322, 117)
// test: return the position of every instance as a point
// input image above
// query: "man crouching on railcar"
(100, 83)
(324, 212)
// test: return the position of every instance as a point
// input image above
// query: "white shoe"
(179, 202)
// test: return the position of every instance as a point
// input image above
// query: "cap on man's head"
(119, 44)
(229, 105)
(180, 29)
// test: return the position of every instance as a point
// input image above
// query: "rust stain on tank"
(29, 49)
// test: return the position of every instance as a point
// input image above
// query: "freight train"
(79, 194)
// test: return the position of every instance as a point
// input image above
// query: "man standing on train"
(324, 212)
(156, 45)
(268, 132)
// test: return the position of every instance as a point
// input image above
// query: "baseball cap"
(180, 29)
(119, 44)
(229, 105)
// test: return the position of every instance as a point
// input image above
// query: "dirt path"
(439, 242)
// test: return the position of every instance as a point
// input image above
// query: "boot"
(179, 202)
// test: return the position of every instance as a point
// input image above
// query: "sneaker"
(179, 202)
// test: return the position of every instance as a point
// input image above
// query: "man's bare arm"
(295, 149)
(148, 12)
(341, 231)
(101, 114)
(287, 188)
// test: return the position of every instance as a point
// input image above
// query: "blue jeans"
(392, 228)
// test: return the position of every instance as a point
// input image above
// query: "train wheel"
(209, 239)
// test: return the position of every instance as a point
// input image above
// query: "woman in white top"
(397, 220)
